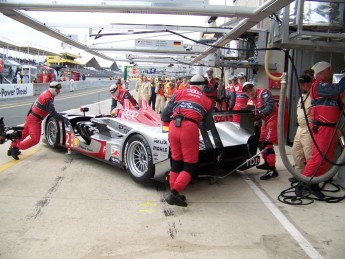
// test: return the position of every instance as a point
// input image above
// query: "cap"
(199, 81)
(304, 79)
(246, 86)
(113, 88)
(320, 66)
(241, 75)
(55, 84)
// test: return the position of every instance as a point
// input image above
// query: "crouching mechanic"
(120, 95)
(31, 133)
(186, 109)
(267, 111)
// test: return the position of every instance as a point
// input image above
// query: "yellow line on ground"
(28, 153)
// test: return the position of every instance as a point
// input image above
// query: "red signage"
(274, 84)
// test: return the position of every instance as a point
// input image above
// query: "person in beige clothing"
(138, 86)
(302, 148)
(145, 90)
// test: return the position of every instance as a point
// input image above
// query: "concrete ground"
(54, 205)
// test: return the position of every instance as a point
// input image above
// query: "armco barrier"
(23, 90)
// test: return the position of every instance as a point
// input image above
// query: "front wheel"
(52, 132)
(138, 159)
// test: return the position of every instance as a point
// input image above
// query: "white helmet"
(199, 81)
(114, 89)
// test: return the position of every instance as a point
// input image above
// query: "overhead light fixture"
(212, 19)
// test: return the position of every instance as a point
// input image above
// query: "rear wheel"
(138, 159)
(52, 132)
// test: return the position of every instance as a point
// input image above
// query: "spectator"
(301, 148)
(145, 90)
(184, 84)
(160, 96)
(138, 87)
(152, 101)
(211, 89)
(171, 90)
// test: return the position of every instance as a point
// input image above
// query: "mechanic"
(267, 111)
(186, 109)
(211, 88)
(120, 95)
(325, 111)
(31, 133)
(113, 100)
(301, 148)
(238, 99)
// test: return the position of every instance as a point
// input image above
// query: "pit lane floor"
(54, 205)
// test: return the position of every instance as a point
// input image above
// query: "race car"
(135, 141)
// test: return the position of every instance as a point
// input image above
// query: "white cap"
(199, 81)
(320, 66)
(113, 88)
(55, 84)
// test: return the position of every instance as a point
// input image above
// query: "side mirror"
(84, 109)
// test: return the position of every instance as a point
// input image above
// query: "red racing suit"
(211, 90)
(124, 94)
(43, 106)
(325, 111)
(267, 111)
(240, 99)
(187, 108)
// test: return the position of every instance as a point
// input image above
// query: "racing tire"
(52, 133)
(138, 159)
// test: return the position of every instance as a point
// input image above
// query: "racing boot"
(263, 166)
(269, 174)
(182, 197)
(14, 152)
(316, 191)
(174, 199)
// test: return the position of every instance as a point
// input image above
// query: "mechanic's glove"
(258, 116)
(263, 144)
(115, 112)
(65, 120)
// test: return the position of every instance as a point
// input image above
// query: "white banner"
(15, 90)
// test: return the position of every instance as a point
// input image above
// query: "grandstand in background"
(64, 64)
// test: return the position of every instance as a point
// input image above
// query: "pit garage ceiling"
(247, 18)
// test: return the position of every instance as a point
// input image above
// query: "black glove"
(65, 120)
(258, 116)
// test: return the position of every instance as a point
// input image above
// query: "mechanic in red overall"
(325, 111)
(31, 134)
(239, 98)
(120, 94)
(185, 110)
(267, 111)
(211, 88)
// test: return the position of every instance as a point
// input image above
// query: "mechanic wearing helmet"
(43, 106)
(211, 88)
(186, 109)
(325, 111)
(241, 78)
(120, 95)
(267, 111)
